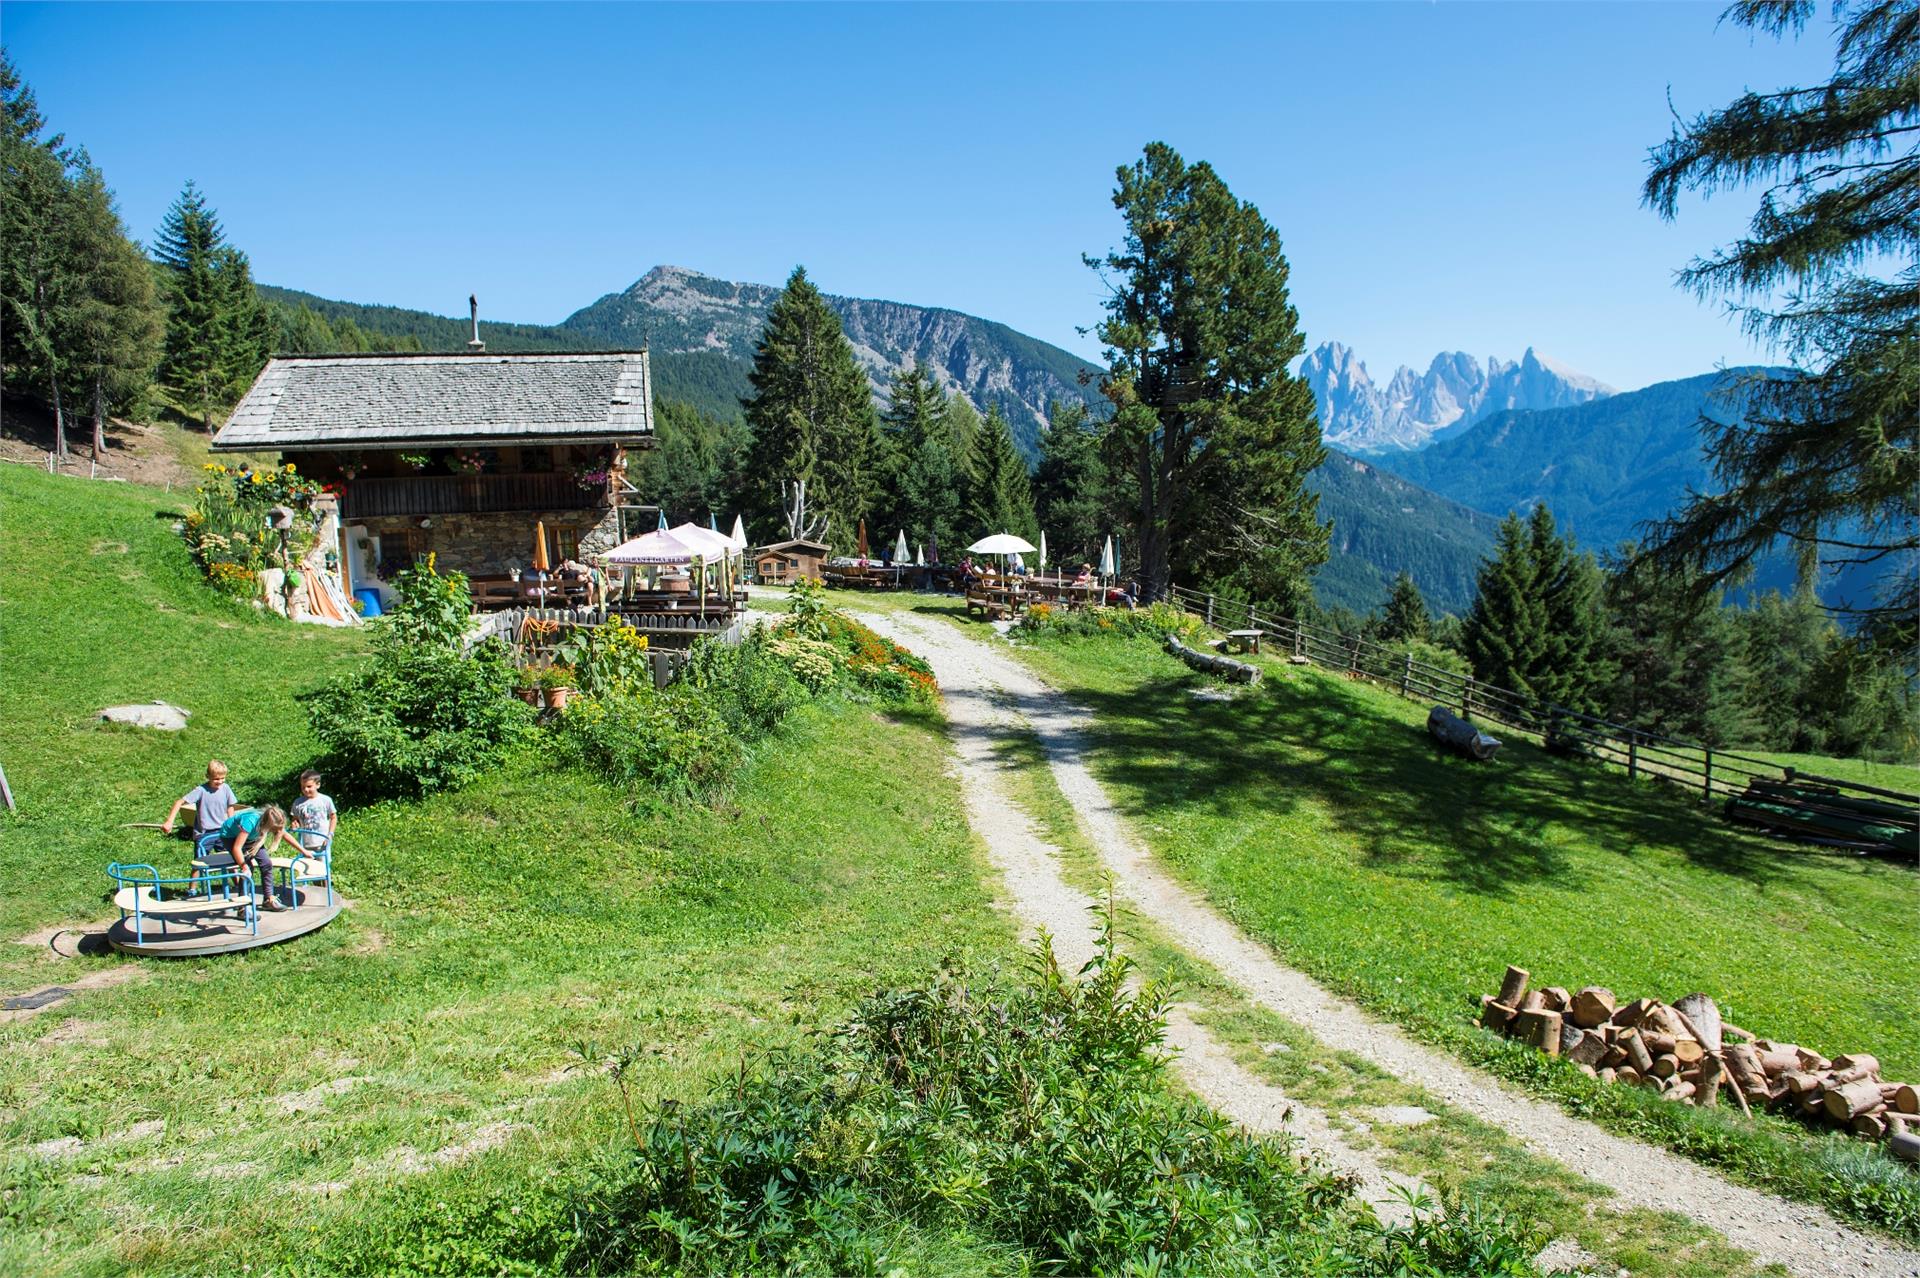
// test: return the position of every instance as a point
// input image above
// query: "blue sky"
(1445, 176)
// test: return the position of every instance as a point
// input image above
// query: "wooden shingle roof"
(397, 401)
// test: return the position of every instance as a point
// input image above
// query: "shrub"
(748, 683)
(1036, 1116)
(420, 718)
(1157, 620)
(675, 743)
(425, 715)
(609, 658)
(877, 666)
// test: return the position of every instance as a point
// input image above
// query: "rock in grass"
(157, 715)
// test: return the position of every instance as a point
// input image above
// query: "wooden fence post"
(1299, 639)
(1353, 656)
(1251, 625)
(1633, 757)
(1406, 675)
(1706, 779)
(1209, 609)
(1466, 699)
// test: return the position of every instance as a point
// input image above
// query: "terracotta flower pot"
(557, 698)
(529, 695)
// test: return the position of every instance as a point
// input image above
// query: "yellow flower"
(289, 468)
(254, 477)
(431, 556)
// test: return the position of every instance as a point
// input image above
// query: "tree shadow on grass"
(1412, 808)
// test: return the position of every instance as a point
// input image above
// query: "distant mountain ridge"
(1415, 409)
(676, 311)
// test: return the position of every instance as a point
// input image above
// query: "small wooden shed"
(785, 562)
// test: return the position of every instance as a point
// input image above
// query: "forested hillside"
(1383, 526)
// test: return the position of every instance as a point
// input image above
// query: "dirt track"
(991, 695)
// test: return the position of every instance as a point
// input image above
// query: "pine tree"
(1572, 666)
(1069, 486)
(246, 329)
(1406, 616)
(962, 423)
(912, 418)
(1219, 435)
(1677, 657)
(117, 321)
(1505, 631)
(811, 413)
(1000, 495)
(1829, 271)
(188, 246)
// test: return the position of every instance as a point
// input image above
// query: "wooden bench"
(1244, 640)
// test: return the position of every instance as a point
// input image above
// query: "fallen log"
(1455, 733)
(1513, 986)
(1225, 667)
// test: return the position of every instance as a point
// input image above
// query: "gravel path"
(989, 693)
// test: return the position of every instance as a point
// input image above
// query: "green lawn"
(1317, 814)
(417, 1051)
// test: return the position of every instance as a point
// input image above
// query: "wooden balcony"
(467, 494)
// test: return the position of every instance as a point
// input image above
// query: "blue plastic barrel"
(370, 601)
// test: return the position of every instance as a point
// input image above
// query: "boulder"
(154, 714)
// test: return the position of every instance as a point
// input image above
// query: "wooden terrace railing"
(466, 494)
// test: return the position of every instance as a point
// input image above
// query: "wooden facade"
(785, 562)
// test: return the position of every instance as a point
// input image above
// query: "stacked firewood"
(1687, 1053)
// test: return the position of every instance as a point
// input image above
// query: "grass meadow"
(411, 1073)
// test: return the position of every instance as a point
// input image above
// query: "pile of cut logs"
(1686, 1052)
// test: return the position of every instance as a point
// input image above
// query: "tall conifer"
(218, 332)
(1505, 632)
(1001, 492)
(1406, 616)
(1069, 486)
(811, 412)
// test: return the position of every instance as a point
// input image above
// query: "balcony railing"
(467, 494)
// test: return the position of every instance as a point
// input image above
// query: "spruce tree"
(1676, 666)
(1568, 586)
(811, 413)
(962, 424)
(1219, 435)
(1406, 616)
(912, 418)
(219, 331)
(1069, 486)
(1000, 494)
(1505, 630)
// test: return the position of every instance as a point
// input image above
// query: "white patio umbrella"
(1002, 544)
(739, 534)
(1043, 550)
(652, 548)
(713, 549)
(1106, 559)
(920, 556)
(900, 547)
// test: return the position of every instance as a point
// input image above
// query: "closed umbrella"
(863, 543)
(900, 547)
(1043, 550)
(540, 561)
(1106, 559)
(920, 556)
(739, 534)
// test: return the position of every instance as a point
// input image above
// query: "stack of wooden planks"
(1687, 1053)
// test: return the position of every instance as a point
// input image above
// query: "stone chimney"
(473, 304)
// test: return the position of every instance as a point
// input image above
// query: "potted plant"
(526, 685)
(558, 681)
(419, 461)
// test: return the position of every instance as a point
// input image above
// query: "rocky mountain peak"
(1414, 409)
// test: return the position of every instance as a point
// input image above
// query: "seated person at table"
(245, 840)
(1085, 576)
(313, 814)
(212, 802)
(1123, 597)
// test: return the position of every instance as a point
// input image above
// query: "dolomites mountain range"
(1415, 409)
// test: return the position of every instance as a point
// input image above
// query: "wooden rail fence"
(1689, 764)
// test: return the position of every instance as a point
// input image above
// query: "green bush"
(421, 718)
(748, 683)
(425, 715)
(1157, 620)
(674, 743)
(1035, 1117)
